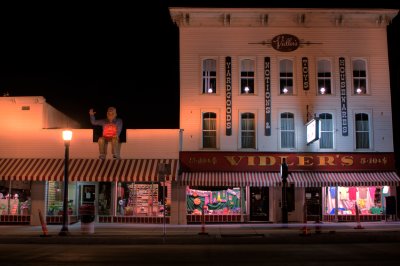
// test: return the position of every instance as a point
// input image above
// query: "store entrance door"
(313, 203)
(259, 204)
(87, 194)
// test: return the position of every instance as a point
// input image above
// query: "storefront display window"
(214, 201)
(55, 196)
(370, 200)
(142, 199)
(104, 198)
(15, 198)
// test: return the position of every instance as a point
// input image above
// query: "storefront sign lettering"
(306, 83)
(228, 84)
(343, 96)
(267, 78)
(285, 43)
(230, 161)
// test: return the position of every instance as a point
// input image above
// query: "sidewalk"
(257, 233)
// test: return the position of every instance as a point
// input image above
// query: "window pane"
(286, 76)
(326, 131)
(247, 76)
(209, 130)
(209, 76)
(362, 131)
(287, 130)
(248, 137)
(359, 77)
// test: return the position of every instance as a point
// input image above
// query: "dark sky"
(112, 54)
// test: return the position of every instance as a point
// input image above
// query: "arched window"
(359, 77)
(247, 76)
(209, 130)
(248, 132)
(287, 131)
(326, 131)
(286, 77)
(209, 76)
(362, 131)
(324, 77)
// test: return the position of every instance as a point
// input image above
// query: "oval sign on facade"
(285, 43)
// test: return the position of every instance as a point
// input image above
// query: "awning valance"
(124, 170)
(253, 179)
(299, 179)
(345, 179)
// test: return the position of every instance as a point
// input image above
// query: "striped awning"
(124, 170)
(299, 179)
(345, 179)
(234, 179)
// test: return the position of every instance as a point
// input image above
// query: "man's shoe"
(102, 157)
(116, 157)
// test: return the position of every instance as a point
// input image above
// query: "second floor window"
(287, 131)
(359, 77)
(362, 131)
(209, 130)
(286, 77)
(209, 76)
(326, 131)
(248, 132)
(247, 76)
(324, 77)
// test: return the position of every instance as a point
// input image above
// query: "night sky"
(93, 56)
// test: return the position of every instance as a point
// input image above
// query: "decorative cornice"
(280, 17)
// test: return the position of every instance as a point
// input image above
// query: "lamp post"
(284, 175)
(67, 136)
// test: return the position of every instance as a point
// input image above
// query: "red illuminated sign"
(263, 161)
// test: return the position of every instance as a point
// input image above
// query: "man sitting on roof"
(112, 127)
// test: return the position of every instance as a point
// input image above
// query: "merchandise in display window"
(104, 207)
(216, 201)
(55, 198)
(15, 198)
(142, 199)
(369, 200)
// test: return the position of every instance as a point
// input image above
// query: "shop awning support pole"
(284, 175)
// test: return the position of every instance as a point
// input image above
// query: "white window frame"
(245, 79)
(240, 129)
(280, 130)
(209, 130)
(209, 77)
(332, 131)
(324, 79)
(291, 90)
(370, 128)
(358, 80)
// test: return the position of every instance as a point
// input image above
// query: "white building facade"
(32, 161)
(310, 86)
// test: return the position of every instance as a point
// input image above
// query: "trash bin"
(87, 217)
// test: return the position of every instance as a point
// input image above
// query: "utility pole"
(284, 175)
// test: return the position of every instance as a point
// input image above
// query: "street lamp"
(67, 136)
(284, 175)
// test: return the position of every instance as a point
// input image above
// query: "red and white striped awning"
(299, 179)
(345, 179)
(232, 179)
(124, 170)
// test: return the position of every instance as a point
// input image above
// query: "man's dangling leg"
(115, 148)
(102, 148)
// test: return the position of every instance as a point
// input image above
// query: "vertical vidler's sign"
(267, 79)
(343, 96)
(304, 66)
(228, 86)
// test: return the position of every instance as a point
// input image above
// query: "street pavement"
(249, 233)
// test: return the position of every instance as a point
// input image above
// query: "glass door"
(87, 194)
(259, 204)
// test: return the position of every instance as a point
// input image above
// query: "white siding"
(361, 36)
